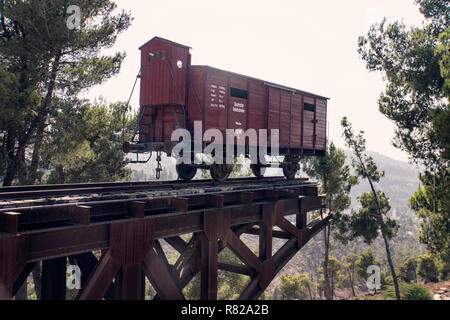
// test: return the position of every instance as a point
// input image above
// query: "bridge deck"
(127, 225)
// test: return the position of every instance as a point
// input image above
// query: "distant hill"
(400, 182)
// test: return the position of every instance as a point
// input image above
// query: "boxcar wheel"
(290, 167)
(220, 172)
(186, 172)
(258, 171)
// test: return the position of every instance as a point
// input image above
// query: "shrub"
(409, 291)
(427, 268)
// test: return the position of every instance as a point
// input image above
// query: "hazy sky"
(306, 44)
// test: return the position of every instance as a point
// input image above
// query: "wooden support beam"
(271, 195)
(209, 252)
(54, 279)
(286, 252)
(275, 233)
(137, 209)
(187, 254)
(252, 291)
(215, 200)
(288, 227)
(242, 251)
(160, 252)
(160, 277)
(23, 277)
(246, 197)
(13, 254)
(177, 243)
(291, 193)
(265, 232)
(132, 282)
(101, 279)
(310, 191)
(81, 214)
(9, 222)
(87, 263)
(179, 204)
(209, 256)
(235, 268)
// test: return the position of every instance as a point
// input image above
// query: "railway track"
(50, 195)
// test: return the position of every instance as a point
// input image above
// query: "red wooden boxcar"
(174, 94)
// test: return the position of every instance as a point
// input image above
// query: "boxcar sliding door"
(309, 123)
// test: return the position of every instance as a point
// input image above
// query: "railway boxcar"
(175, 94)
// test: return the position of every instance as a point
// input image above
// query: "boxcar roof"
(270, 84)
(163, 39)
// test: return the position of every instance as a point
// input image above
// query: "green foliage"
(427, 269)
(414, 84)
(334, 273)
(334, 177)
(349, 276)
(408, 270)
(230, 284)
(366, 259)
(336, 182)
(432, 204)
(192, 290)
(364, 222)
(443, 54)
(415, 63)
(297, 287)
(85, 144)
(374, 206)
(409, 291)
(436, 12)
(45, 62)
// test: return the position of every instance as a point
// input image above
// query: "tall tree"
(334, 275)
(350, 276)
(375, 205)
(415, 63)
(50, 58)
(408, 270)
(335, 182)
(365, 260)
(426, 268)
(84, 143)
(296, 287)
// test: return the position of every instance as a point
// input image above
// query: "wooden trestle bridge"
(126, 222)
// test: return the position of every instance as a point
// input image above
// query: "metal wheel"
(186, 172)
(257, 170)
(220, 172)
(290, 167)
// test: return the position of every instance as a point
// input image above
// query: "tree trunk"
(60, 170)
(380, 222)
(32, 174)
(10, 173)
(386, 242)
(350, 277)
(326, 234)
(41, 120)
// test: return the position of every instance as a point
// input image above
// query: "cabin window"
(238, 93)
(310, 107)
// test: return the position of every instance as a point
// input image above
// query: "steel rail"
(124, 189)
(31, 192)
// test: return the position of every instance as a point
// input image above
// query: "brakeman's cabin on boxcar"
(175, 94)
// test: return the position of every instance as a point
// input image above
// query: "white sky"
(305, 44)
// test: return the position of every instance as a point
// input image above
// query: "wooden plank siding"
(207, 93)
